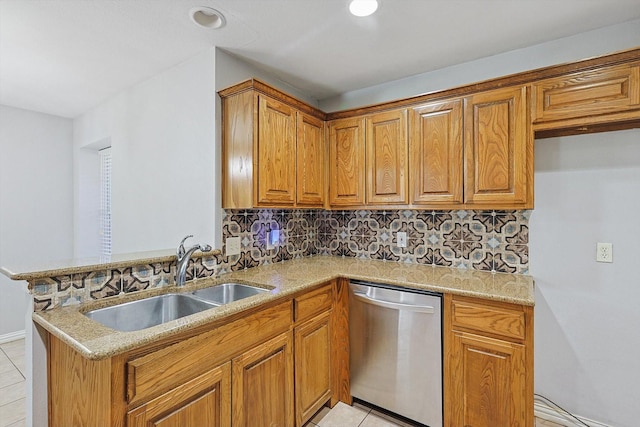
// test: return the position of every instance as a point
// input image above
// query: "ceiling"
(64, 57)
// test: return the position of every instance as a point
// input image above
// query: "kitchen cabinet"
(188, 381)
(347, 162)
(498, 150)
(313, 349)
(310, 150)
(488, 363)
(435, 147)
(263, 384)
(386, 158)
(368, 160)
(204, 401)
(272, 149)
(586, 98)
(276, 162)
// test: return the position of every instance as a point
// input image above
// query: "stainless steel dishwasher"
(396, 350)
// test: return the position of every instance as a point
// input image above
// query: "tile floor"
(358, 415)
(12, 399)
(12, 384)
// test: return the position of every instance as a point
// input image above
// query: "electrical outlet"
(273, 238)
(401, 236)
(604, 252)
(232, 246)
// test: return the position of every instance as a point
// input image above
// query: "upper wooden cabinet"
(466, 147)
(272, 149)
(276, 148)
(368, 160)
(386, 160)
(587, 97)
(435, 150)
(310, 149)
(498, 149)
(347, 162)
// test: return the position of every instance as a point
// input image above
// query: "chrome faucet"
(183, 259)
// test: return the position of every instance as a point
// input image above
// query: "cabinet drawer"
(602, 91)
(500, 319)
(314, 302)
(155, 373)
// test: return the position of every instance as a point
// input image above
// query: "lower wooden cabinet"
(313, 366)
(488, 364)
(263, 384)
(204, 401)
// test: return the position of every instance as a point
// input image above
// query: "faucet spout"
(184, 255)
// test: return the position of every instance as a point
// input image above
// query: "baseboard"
(548, 413)
(12, 336)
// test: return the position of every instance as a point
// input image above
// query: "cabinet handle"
(394, 305)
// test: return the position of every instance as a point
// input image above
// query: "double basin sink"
(152, 311)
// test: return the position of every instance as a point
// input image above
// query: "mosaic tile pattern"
(483, 240)
(298, 236)
(61, 291)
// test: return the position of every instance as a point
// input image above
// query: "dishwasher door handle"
(394, 305)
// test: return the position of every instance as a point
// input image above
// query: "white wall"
(586, 316)
(593, 43)
(36, 220)
(162, 134)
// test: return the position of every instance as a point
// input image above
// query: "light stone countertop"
(95, 341)
(38, 269)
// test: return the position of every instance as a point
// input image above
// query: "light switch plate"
(273, 239)
(232, 246)
(401, 236)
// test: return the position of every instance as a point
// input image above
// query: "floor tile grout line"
(12, 362)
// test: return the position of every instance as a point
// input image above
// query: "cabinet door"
(346, 162)
(313, 366)
(498, 150)
(263, 385)
(276, 177)
(202, 402)
(435, 147)
(487, 380)
(602, 91)
(387, 147)
(310, 161)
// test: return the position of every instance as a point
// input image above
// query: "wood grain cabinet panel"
(204, 401)
(276, 153)
(587, 95)
(435, 149)
(347, 162)
(273, 149)
(488, 382)
(387, 146)
(313, 366)
(488, 363)
(262, 385)
(310, 150)
(498, 149)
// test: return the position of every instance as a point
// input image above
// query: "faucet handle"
(180, 251)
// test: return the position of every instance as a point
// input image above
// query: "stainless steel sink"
(227, 292)
(148, 312)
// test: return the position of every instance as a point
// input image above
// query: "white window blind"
(105, 201)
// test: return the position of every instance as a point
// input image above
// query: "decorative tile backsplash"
(482, 240)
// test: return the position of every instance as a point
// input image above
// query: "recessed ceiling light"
(363, 7)
(207, 17)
